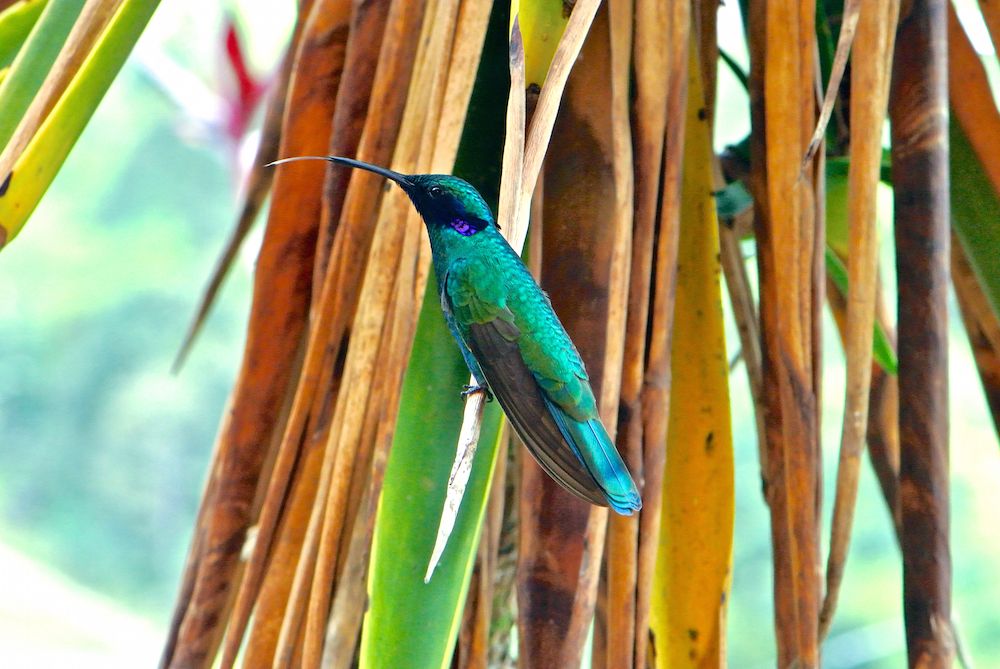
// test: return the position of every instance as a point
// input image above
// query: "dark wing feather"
(514, 386)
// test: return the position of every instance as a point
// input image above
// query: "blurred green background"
(103, 452)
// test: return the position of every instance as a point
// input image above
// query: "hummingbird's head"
(442, 200)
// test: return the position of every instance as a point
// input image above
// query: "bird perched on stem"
(511, 339)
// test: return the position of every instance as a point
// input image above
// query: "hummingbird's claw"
(468, 390)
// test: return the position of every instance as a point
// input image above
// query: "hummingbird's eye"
(434, 191)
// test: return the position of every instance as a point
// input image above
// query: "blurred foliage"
(104, 452)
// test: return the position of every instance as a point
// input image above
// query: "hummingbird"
(511, 339)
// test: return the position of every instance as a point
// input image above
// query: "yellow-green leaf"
(695, 543)
(542, 24)
(15, 23)
(37, 166)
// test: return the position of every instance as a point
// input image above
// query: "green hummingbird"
(511, 339)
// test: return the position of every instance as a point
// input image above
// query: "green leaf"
(34, 60)
(44, 155)
(975, 214)
(15, 23)
(409, 623)
(882, 349)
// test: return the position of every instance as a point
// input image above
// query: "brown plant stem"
(919, 113)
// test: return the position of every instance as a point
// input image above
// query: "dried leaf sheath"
(348, 444)
(787, 236)
(354, 97)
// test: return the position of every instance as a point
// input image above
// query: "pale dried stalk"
(544, 116)
(747, 324)
(467, 51)
(345, 447)
(870, 73)
(507, 217)
(350, 598)
(654, 398)
(461, 469)
(360, 203)
(848, 28)
(651, 65)
(441, 140)
(622, 558)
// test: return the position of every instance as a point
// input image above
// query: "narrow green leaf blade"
(410, 623)
(975, 214)
(882, 349)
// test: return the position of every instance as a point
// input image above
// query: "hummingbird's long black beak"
(401, 179)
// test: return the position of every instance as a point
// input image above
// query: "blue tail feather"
(591, 443)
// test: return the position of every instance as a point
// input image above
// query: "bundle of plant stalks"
(588, 129)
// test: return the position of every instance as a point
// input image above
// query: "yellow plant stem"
(695, 545)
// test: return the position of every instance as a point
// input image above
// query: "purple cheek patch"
(462, 227)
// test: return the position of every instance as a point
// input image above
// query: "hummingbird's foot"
(483, 388)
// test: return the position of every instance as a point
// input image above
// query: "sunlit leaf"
(45, 153)
(15, 23)
(693, 563)
(33, 59)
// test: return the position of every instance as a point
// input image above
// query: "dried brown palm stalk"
(783, 117)
(395, 55)
(282, 286)
(882, 430)
(350, 442)
(918, 109)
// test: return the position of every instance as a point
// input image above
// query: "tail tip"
(626, 506)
